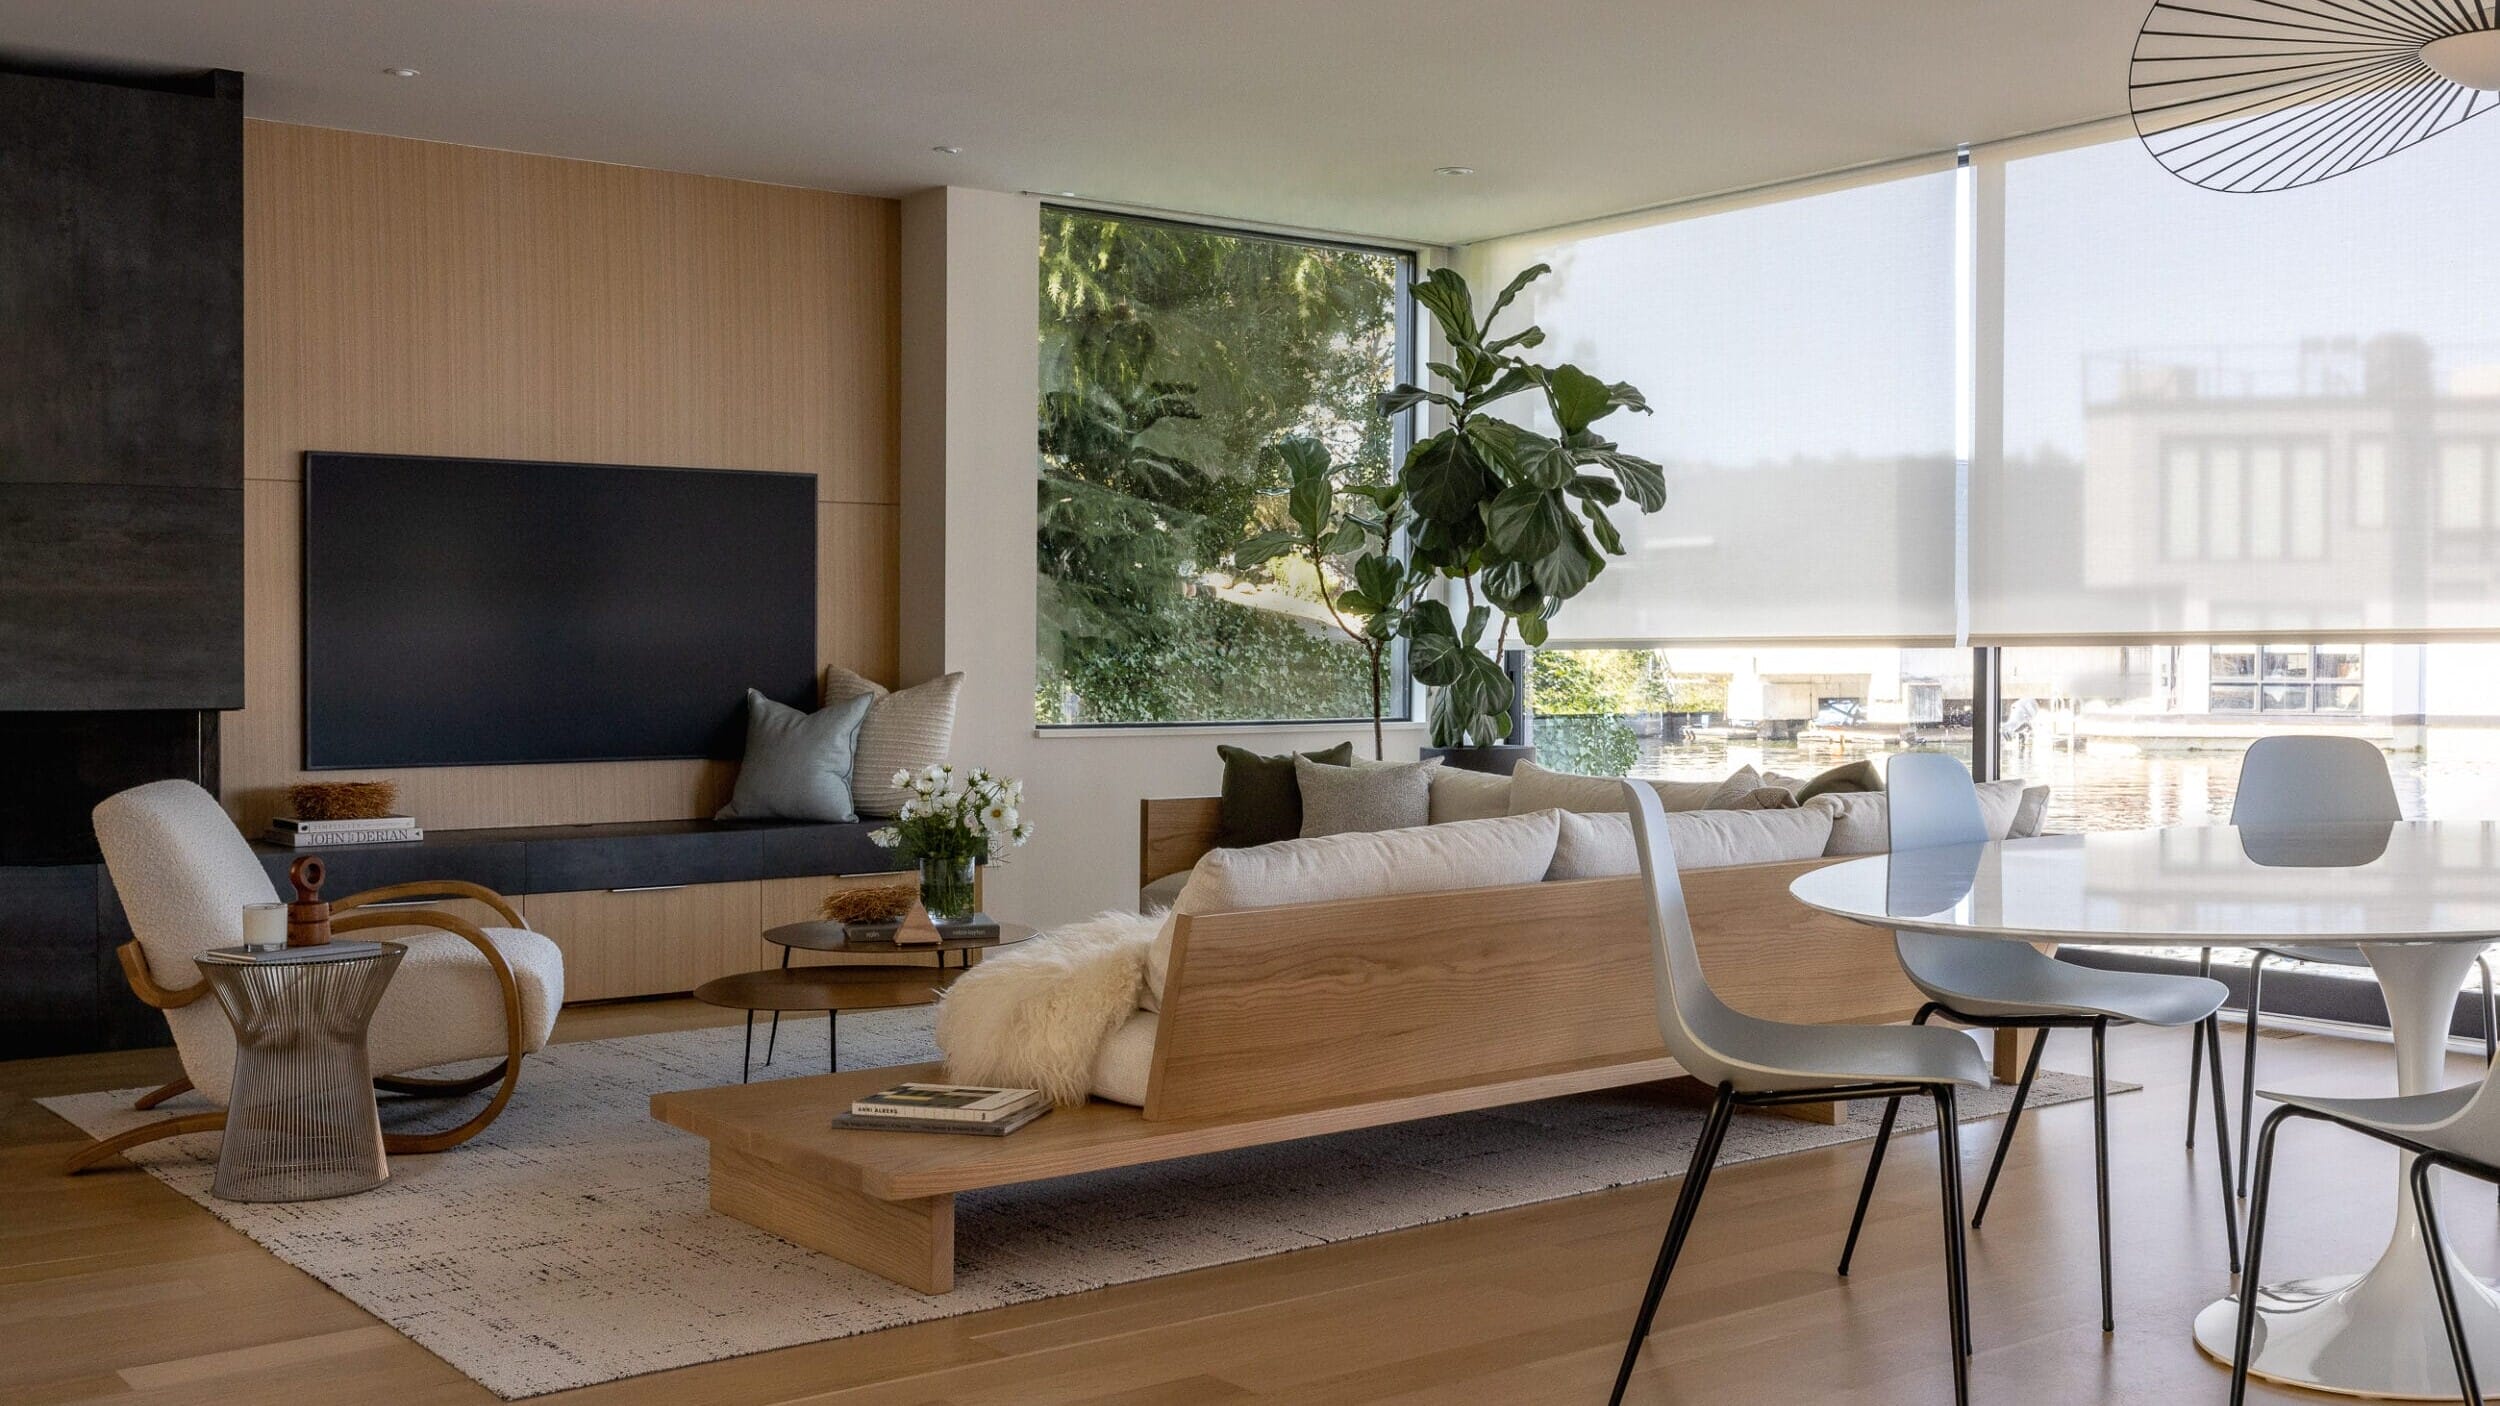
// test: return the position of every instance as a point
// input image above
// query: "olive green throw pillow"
(1262, 802)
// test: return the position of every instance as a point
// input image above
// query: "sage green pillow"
(797, 765)
(1262, 801)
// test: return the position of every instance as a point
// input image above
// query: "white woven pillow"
(905, 730)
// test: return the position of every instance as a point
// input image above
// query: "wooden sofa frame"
(1289, 1022)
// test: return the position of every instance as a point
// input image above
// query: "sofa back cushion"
(1600, 846)
(1533, 788)
(1460, 794)
(1343, 800)
(1467, 854)
(1862, 820)
(1262, 801)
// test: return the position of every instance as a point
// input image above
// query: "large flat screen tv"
(463, 612)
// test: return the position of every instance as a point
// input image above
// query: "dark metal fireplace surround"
(121, 502)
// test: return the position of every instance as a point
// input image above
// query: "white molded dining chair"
(1996, 984)
(2316, 781)
(1756, 1063)
(2458, 1129)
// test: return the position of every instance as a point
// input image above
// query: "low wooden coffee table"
(832, 990)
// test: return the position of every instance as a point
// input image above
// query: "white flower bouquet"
(952, 822)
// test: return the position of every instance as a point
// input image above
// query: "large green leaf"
(1603, 529)
(1532, 630)
(1523, 339)
(1643, 482)
(1578, 398)
(1526, 276)
(1568, 569)
(1433, 651)
(1309, 501)
(1303, 457)
(1264, 548)
(1526, 522)
(1378, 577)
(1543, 462)
(1509, 586)
(1445, 479)
(1444, 294)
(1595, 490)
(1407, 397)
(1344, 539)
(1629, 396)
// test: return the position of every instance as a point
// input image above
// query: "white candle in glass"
(264, 925)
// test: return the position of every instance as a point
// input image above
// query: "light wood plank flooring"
(114, 1289)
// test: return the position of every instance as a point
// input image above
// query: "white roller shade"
(1799, 351)
(2264, 416)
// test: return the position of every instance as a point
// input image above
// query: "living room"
(1629, 601)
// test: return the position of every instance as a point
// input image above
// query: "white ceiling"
(1323, 114)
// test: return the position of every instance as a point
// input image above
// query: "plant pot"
(1499, 760)
(947, 888)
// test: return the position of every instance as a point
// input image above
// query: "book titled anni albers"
(321, 834)
(946, 1108)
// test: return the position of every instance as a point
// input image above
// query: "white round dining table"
(2419, 898)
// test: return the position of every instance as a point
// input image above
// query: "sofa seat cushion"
(443, 1006)
(1533, 788)
(1862, 821)
(1127, 1061)
(1466, 854)
(1600, 846)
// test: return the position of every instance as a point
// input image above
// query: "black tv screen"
(464, 612)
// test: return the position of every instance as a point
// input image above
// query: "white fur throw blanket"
(1035, 1015)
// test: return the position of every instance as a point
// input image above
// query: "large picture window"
(1173, 358)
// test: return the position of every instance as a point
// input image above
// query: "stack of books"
(318, 834)
(946, 1108)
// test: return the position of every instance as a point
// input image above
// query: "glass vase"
(946, 888)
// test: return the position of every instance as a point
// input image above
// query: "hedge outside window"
(1173, 358)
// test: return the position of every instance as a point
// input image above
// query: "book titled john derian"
(321, 834)
(949, 1108)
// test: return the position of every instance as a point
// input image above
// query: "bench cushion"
(1466, 854)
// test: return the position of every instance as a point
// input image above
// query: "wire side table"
(301, 1123)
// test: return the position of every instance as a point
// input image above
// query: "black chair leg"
(2100, 1160)
(1956, 1256)
(2196, 1048)
(2426, 1206)
(2222, 1139)
(1875, 1159)
(2013, 1119)
(2249, 1277)
(2248, 1060)
(1687, 1202)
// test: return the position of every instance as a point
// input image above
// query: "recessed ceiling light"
(1453, 170)
(948, 150)
(401, 72)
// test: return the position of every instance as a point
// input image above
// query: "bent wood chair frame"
(144, 985)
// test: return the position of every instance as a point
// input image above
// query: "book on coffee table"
(980, 927)
(947, 1103)
(941, 1125)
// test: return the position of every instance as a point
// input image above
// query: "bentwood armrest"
(143, 982)
(433, 888)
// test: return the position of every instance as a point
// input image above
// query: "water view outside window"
(1173, 357)
(2125, 736)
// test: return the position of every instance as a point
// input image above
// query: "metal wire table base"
(301, 1123)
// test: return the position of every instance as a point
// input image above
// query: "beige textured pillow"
(1862, 820)
(2031, 814)
(1359, 799)
(1470, 854)
(1740, 784)
(1600, 846)
(1459, 794)
(905, 730)
(1765, 798)
(1533, 788)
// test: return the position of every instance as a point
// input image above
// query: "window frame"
(1401, 703)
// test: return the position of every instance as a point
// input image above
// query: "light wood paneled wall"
(417, 298)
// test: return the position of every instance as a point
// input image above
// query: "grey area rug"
(571, 1243)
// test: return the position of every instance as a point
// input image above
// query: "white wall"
(970, 370)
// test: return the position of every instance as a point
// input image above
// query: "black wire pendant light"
(2259, 95)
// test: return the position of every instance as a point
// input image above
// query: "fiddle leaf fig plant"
(1515, 518)
(1349, 533)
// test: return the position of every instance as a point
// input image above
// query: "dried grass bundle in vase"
(868, 905)
(342, 800)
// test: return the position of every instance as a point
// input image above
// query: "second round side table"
(301, 1123)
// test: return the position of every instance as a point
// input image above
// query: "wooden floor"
(114, 1289)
